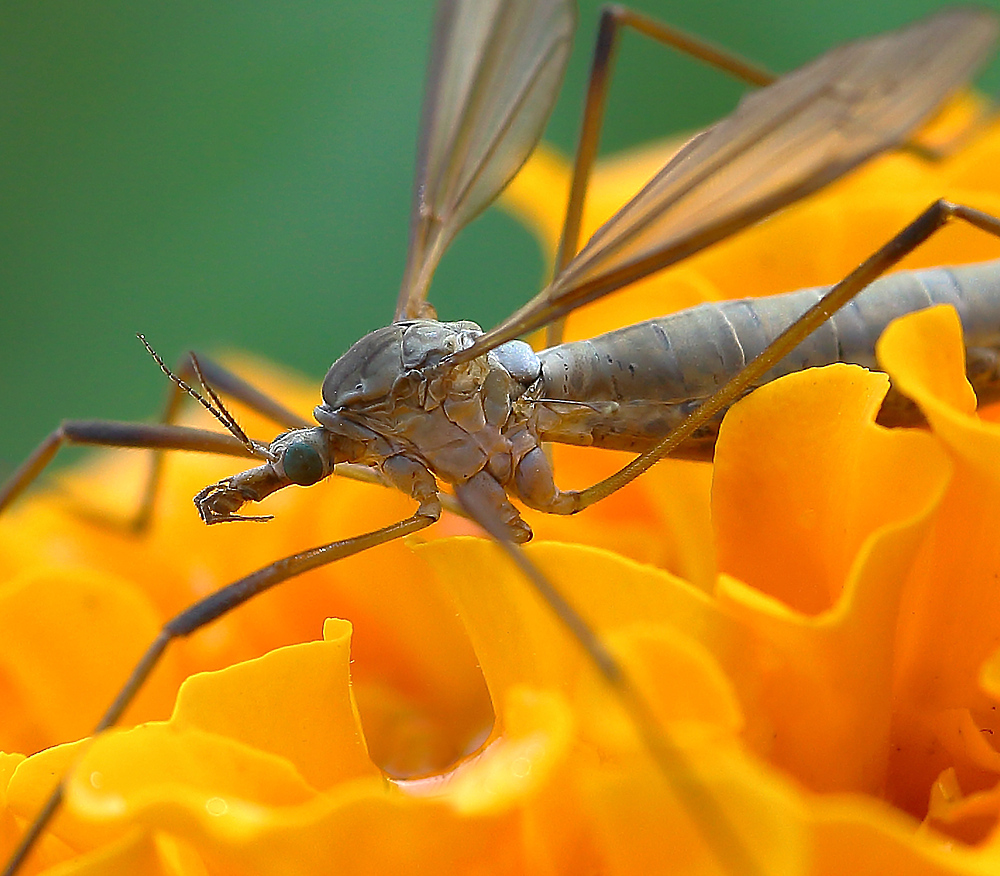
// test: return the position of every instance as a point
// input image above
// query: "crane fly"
(423, 402)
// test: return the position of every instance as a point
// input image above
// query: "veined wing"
(495, 71)
(782, 142)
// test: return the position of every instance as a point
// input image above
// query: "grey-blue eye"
(302, 464)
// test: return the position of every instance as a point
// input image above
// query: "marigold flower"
(814, 621)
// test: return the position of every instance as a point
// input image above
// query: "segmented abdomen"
(638, 381)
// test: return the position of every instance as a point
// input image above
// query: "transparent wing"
(781, 143)
(495, 71)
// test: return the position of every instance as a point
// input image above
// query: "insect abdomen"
(647, 375)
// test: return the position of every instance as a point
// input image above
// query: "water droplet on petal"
(216, 806)
(521, 767)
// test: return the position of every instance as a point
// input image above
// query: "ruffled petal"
(833, 688)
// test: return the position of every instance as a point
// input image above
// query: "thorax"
(394, 392)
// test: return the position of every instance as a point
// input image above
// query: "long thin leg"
(108, 433)
(710, 819)
(209, 609)
(931, 220)
(613, 19)
(165, 436)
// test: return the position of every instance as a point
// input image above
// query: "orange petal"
(804, 475)
(859, 835)
(925, 355)
(69, 640)
(518, 638)
(309, 686)
(949, 629)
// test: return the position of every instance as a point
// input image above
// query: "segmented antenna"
(217, 410)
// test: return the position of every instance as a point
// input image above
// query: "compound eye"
(302, 464)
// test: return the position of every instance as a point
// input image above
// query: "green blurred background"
(236, 175)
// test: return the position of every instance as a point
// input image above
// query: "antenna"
(215, 407)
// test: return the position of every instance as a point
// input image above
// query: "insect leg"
(166, 436)
(213, 607)
(712, 822)
(613, 19)
(108, 433)
(935, 217)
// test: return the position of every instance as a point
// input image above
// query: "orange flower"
(814, 622)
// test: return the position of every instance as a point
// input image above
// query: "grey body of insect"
(632, 385)
(622, 390)
(414, 401)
